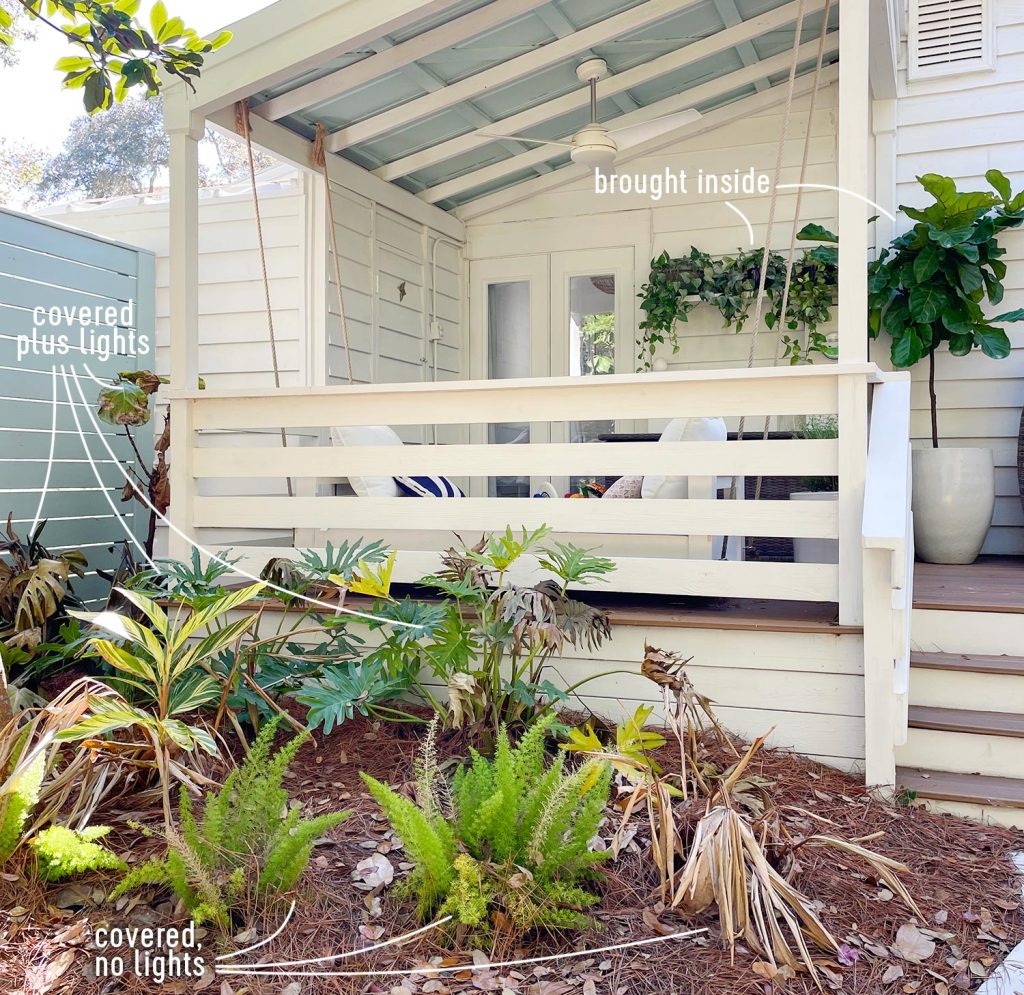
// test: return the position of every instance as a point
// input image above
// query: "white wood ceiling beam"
(643, 73)
(292, 147)
(393, 57)
(625, 22)
(737, 110)
(681, 101)
(730, 15)
(286, 39)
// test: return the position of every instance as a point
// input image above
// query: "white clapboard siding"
(387, 276)
(962, 126)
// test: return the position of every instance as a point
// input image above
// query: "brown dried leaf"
(912, 945)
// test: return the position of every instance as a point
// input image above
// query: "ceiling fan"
(596, 146)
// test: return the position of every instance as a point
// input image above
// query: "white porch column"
(854, 132)
(184, 133)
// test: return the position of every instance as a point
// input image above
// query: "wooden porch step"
(967, 721)
(969, 663)
(972, 789)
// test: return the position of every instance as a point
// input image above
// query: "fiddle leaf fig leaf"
(1017, 315)
(993, 341)
(927, 302)
(816, 233)
(1000, 184)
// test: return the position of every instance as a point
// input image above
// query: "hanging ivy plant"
(729, 283)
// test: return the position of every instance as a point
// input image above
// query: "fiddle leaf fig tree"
(929, 286)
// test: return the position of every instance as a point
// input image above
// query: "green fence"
(74, 308)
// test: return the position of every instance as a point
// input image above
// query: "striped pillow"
(440, 487)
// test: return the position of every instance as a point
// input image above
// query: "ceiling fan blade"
(526, 138)
(637, 134)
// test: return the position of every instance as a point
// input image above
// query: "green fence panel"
(74, 309)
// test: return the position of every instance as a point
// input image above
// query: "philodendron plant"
(930, 285)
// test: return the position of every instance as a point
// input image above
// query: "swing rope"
(772, 211)
(243, 128)
(319, 157)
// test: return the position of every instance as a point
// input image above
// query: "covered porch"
(411, 96)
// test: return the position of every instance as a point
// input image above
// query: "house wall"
(574, 217)
(389, 268)
(962, 126)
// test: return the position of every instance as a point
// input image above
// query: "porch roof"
(413, 99)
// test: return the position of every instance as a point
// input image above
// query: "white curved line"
(829, 186)
(335, 609)
(750, 227)
(261, 943)
(341, 956)
(49, 462)
(103, 487)
(432, 970)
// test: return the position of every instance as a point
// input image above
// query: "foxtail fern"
(248, 841)
(513, 838)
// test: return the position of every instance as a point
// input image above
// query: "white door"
(592, 333)
(509, 299)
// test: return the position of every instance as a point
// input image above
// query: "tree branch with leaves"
(115, 52)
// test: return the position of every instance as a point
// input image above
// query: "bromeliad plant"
(929, 286)
(505, 846)
(162, 674)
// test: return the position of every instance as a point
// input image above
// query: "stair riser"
(992, 815)
(958, 689)
(962, 753)
(993, 633)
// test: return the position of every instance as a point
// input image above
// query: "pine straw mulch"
(960, 875)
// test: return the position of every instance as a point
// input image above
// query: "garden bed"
(960, 874)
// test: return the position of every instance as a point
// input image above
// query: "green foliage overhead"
(249, 841)
(677, 285)
(62, 853)
(930, 285)
(114, 51)
(506, 844)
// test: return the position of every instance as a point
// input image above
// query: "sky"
(35, 109)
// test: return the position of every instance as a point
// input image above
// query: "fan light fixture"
(596, 146)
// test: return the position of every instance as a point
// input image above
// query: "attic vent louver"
(949, 37)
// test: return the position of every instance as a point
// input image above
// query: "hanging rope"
(243, 128)
(791, 259)
(772, 208)
(319, 157)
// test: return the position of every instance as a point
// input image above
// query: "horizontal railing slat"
(817, 582)
(777, 456)
(802, 391)
(656, 517)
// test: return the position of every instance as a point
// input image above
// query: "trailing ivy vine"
(678, 284)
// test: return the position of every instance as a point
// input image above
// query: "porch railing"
(669, 549)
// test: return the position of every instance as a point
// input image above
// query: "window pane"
(508, 355)
(591, 344)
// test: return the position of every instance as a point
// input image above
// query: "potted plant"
(927, 289)
(817, 489)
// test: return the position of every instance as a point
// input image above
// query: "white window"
(949, 37)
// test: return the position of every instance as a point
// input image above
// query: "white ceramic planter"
(815, 550)
(954, 496)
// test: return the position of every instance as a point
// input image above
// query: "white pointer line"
(434, 970)
(334, 609)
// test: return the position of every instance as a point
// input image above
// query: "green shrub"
(249, 840)
(507, 841)
(18, 797)
(62, 852)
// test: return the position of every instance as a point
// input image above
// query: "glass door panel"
(508, 355)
